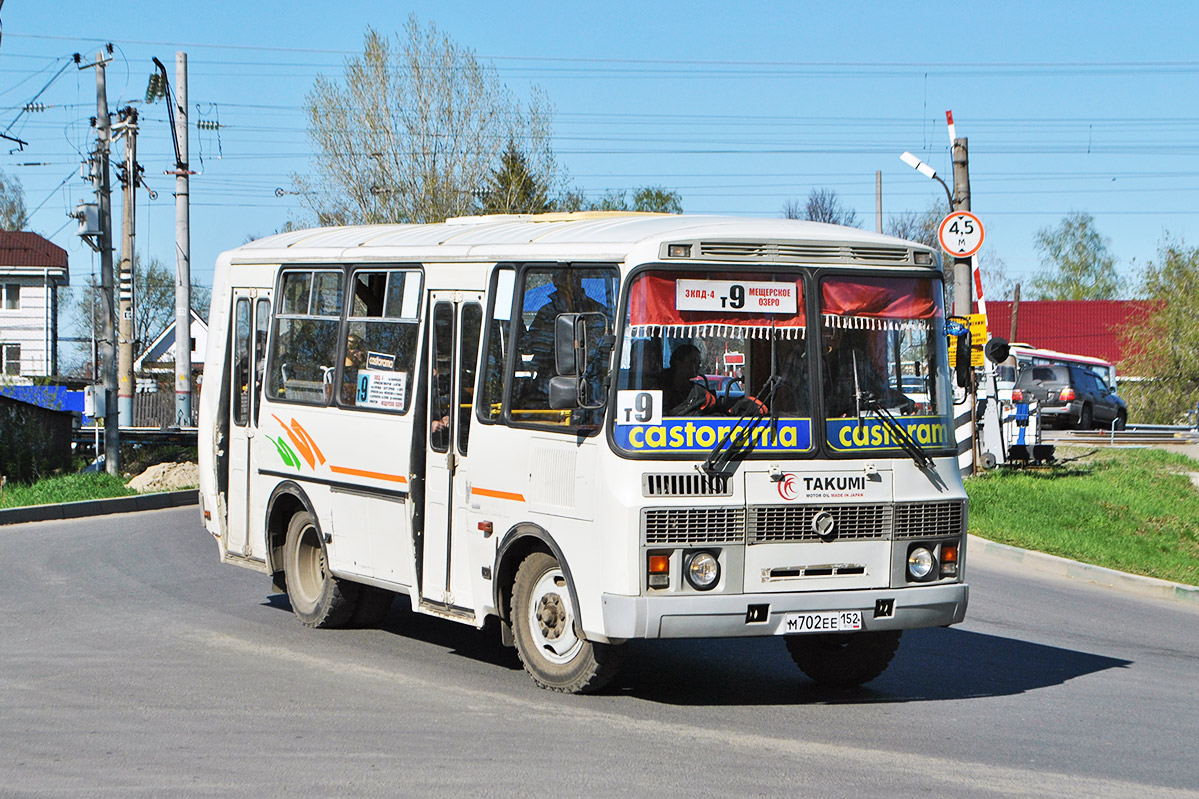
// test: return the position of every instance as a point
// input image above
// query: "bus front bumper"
(743, 615)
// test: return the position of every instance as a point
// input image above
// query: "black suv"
(1071, 395)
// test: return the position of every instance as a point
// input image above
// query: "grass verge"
(66, 488)
(1134, 510)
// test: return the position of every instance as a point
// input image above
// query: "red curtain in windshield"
(881, 297)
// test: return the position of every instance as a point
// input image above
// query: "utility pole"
(1015, 312)
(878, 201)
(100, 177)
(128, 127)
(183, 356)
(961, 202)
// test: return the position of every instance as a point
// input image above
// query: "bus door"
(251, 319)
(453, 332)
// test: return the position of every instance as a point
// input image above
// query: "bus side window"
(441, 377)
(546, 293)
(380, 340)
(468, 358)
(304, 344)
(241, 362)
(499, 337)
(262, 323)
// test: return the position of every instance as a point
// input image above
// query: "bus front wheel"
(317, 597)
(544, 628)
(843, 660)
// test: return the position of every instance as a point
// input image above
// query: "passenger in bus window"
(439, 411)
(682, 394)
(568, 297)
(355, 360)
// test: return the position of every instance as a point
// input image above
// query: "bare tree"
(413, 131)
(12, 203)
(822, 205)
(918, 226)
(154, 305)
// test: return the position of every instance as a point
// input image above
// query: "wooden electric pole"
(878, 201)
(961, 202)
(1015, 312)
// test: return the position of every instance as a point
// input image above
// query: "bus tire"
(543, 626)
(317, 597)
(843, 660)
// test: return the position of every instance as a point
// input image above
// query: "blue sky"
(1067, 106)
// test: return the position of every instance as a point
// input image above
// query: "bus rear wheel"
(317, 597)
(546, 634)
(843, 660)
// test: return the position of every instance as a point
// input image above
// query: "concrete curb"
(99, 507)
(1096, 575)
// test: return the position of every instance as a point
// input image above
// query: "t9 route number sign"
(961, 234)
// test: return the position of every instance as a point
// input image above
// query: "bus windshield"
(737, 350)
(730, 347)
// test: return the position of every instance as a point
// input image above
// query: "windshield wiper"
(898, 432)
(720, 454)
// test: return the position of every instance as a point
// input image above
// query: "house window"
(10, 359)
(12, 296)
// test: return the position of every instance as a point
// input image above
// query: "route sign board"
(960, 234)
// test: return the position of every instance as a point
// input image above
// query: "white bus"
(510, 418)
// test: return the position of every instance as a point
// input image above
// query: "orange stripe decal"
(391, 478)
(320, 456)
(487, 492)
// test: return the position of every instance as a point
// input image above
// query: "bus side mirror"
(570, 388)
(570, 339)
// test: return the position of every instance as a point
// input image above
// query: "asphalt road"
(133, 664)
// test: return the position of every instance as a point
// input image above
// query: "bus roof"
(588, 235)
(1035, 352)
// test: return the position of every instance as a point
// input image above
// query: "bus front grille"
(685, 485)
(767, 524)
(687, 526)
(771, 524)
(930, 519)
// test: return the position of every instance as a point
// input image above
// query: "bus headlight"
(920, 563)
(703, 571)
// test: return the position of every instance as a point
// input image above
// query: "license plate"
(825, 621)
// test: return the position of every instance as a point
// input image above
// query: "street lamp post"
(926, 170)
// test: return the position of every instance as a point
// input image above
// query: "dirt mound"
(166, 477)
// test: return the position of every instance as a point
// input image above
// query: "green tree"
(1078, 265)
(512, 188)
(647, 199)
(658, 200)
(1163, 346)
(413, 130)
(822, 205)
(12, 203)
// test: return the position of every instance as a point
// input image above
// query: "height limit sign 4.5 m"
(961, 234)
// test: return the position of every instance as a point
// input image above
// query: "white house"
(159, 357)
(31, 271)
